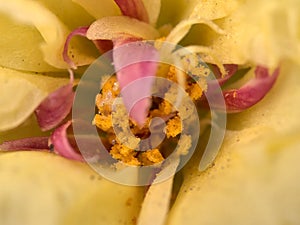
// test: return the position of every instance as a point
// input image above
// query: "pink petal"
(33, 143)
(134, 62)
(231, 69)
(237, 100)
(56, 106)
(61, 144)
(134, 9)
(80, 31)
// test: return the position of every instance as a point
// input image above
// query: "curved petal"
(133, 62)
(110, 28)
(211, 10)
(153, 9)
(21, 93)
(20, 46)
(184, 26)
(61, 144)
(252, 92)
(134, 9)
(230, 69)
(52, 30)
(56, 106)
(107, 8)
(80, 31)
(260, 43)
(101, 45)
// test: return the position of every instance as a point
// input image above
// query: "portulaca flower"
(38, 47)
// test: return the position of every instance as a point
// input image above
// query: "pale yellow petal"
(209, 9)
(153, 10)
(99, 9)
(200, 12)
(52, 30)
(260, 32)
(21, 93)
(184, 27)
(109, 28)
(254, 179)
(20, 47)
(42, 188)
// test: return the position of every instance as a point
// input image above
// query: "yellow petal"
(20, 47)
(255, 177)
(52, 30)
(210, 10)
(199, 12)
(260, 32)
(99, 9)
(69, 12)
(153, 9)
(42, 188)
(109, 28)
(21, 93)
(184, 27)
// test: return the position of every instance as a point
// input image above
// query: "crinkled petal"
(133, 62)
(55, 107)
(61, 144)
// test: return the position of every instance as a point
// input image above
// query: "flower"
(133, 25)
(257, 160)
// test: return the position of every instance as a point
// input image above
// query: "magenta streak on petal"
(134, 9)
(133, 62)
(80, 31)
(33, 143)
(56, 106)
(61, 144)
(231, 69)
(213, 85)
(252, 92)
